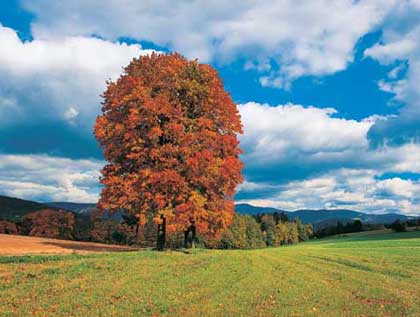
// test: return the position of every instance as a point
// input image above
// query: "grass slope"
(358, 275)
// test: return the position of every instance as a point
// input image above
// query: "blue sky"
(329, 101)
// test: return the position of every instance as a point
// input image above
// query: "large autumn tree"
(169, 133)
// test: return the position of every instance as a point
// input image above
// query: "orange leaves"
(49, 223)
(169, 132)
(101, 122)
(155, 132)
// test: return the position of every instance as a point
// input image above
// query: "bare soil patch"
(21, 245)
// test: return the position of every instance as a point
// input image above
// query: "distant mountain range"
(14, 208)
(76, 207)
(319, 216)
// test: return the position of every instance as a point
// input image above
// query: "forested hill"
(316, 216)
(76, 207)
(13, 208)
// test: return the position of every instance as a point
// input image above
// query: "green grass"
(360, 275)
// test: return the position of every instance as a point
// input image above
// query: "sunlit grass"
(361, 275)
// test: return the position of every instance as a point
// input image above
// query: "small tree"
(293, 234)
(302, 233)
(243, 233)
(169, 134)
(399, 226)
(309, 230)
(357, 225)
(268, 227)
(282, 232)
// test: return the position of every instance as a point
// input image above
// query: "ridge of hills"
(14, 208)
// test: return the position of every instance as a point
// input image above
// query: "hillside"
(369, 274)
(76, 207)
(321, 215)
(13, 208)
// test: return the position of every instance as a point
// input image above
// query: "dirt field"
(20, 245)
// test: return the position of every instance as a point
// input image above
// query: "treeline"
(46, 223)
(263, 230)
(340, 228)
(245, 232)
(93, 226)
(358, 226)
(401, 226)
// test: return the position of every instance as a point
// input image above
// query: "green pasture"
(357, 275)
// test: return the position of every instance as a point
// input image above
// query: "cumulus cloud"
(307, 157)
(281, 128)
(50, 90)
(356, 189)
(299, 39)
(291, 141)
(399, 187)
(46, 178)
(58, 79)
(399, 46)
(387, 53)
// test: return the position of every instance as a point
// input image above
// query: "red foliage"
(8, 227)
(49, 223)
(169, 132)
(102, 230)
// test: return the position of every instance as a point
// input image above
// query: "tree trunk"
(161, 235)
(137, 232)
(186, 234)
(193, 235)
(189, 242)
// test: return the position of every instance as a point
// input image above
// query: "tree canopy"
(169, 133)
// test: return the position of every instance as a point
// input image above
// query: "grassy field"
(360, 275)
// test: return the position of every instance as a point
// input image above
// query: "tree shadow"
(90, 247)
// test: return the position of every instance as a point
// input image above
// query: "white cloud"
(282, 205)
(400, 46)
(340, 169)
(399, 187)
(347, 189)
(71, 113)
(250, 186)
(41, 78)
(311, 38)
(388, 53)
(405, 158)
(49, 178)
(277, 133)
